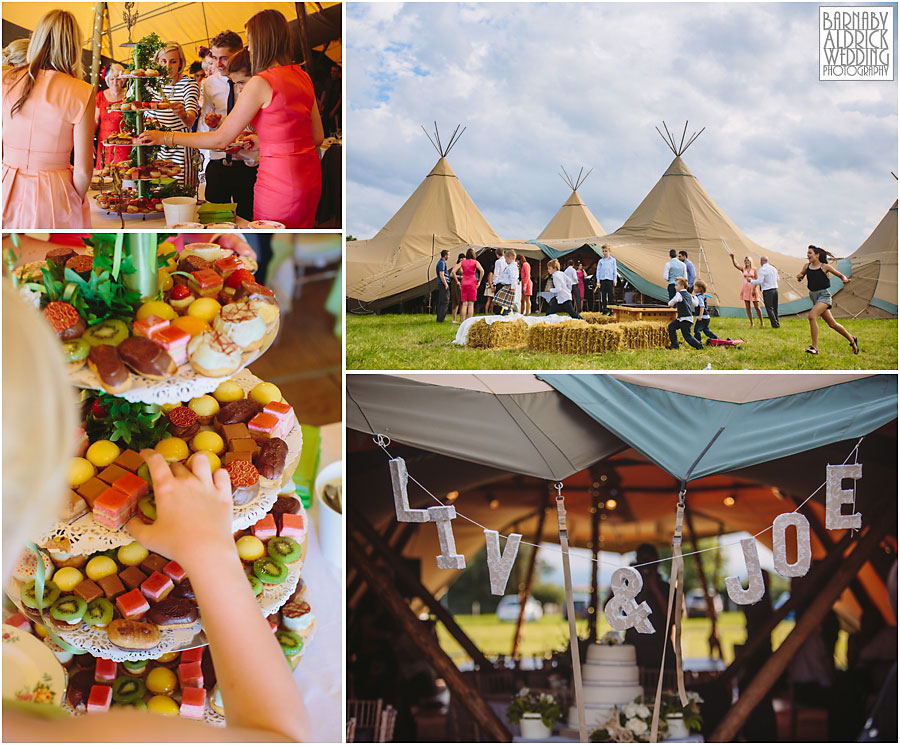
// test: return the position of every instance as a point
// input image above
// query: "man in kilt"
(505, 294)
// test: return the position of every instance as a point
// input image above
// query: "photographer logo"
(856, 43)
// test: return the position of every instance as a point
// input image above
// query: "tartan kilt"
(505, 297)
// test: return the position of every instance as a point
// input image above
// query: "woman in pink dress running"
(749, 292)
(280, 103)
(525, 281)
(47, 112)
(470, 274)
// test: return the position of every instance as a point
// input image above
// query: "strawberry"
(179, 292)
(237, 276)
(98, 410)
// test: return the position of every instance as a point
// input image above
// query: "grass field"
(551, 633)
(416, 342)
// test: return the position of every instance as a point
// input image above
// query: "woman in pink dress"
(109, 122)
(525, 282)
(280, 103)
(749, 292)
(470, 275)
(47, 111)
(579, 270)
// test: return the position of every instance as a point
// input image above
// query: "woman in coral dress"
(579, 270)
(749, 292)
(47, 112)
(109, 122)
(525, 282)
(280, 103)
(470, 275)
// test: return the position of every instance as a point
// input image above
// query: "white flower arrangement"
(611, 639)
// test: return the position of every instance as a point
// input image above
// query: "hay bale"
(598, 318)
(644, 335)
(547, 337)
(580, 337)
(498, 335)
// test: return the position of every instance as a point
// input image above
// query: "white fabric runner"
(463, 332)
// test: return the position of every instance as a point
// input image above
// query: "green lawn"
(416, 342)
(551, 633)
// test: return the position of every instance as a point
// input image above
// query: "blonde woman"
(183, 93)
(280, 103)
(193, 527)
(749, 292)
(14, 54)
(109, 122)
(47, 112)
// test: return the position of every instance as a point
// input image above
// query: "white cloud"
(790, 159)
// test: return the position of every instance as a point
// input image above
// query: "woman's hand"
(193, 512)
(151, 137)
(235, 243)
(251, 143)
(178, 109)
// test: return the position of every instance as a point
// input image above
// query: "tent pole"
(529, 576)
(303, 27)
(96, 36)
(419, 634)
(405, 577)
(817, 578)
(355, 584)
(806, 624)
(595, 569)
(714, 646)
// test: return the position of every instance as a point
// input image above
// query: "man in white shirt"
(227, 179)
(606, 279)
(672, 270)
(767, 279)
(572, 274)
(499, 269)
(506, 282)
(561, 292)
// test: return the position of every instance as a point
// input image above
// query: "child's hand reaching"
(193, 511)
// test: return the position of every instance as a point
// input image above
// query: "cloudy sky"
(789, 159)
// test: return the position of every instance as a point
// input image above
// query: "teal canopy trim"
(884, 305)
(654, 421)
(552, 252)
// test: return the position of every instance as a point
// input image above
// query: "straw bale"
(574, 337)
(598, 318)
(498, 335)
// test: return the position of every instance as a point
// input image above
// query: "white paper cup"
(331, 523)
(180, 209)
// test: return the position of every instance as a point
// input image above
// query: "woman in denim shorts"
(816, 272)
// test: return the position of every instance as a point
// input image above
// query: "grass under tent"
(417, 342)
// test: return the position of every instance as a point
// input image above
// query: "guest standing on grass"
(455, 299)
(767, 281)
(526, 284)
(749, 291)
(561, 291)
(48, 111)
(470, 274)
(505, 295)
(684, 304)
(672, 271)
(443, 286)
(689, 267)
(572, 274)
(816, 272)
(606, 279)
(582, 297)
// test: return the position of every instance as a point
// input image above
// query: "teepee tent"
(873, 292)
(573, 219)
(398, 263)
(678, 214)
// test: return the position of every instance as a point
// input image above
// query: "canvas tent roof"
(191, 24)
(678, 213)
(438, 425)
(401, 257)
(572, 220)
(873, 292)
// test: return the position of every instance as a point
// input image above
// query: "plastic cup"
(180, 209)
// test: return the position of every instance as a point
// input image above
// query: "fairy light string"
(383, 442)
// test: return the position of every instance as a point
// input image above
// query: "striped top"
(186, 91)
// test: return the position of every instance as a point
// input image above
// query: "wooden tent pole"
(303, 28)
(405, 577)
(595, 567)
(417, 632)
(355, 585)
(714, 646)
(529, 576)
(96, 37)
(816, 579)
(806, 624)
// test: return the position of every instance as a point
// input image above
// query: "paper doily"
(84, 536)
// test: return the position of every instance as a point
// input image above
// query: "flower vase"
(677, 728)
(532, 728)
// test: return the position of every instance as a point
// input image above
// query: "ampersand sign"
(622, 612)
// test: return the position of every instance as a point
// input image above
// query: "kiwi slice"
(111, 331)
(143, 472)
(284, 550)
(76, 350)
(269, 571)
(135, 667)
(147, 507)
(68, 608)
(255, 584)
(127, 690)
(290, 642)
(99, 612)
(29, 598)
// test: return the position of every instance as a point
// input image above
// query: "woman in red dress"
(525, 281)
(108, 122)
(470, 273)
(280, 103)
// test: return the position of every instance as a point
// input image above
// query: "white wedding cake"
(609, 678)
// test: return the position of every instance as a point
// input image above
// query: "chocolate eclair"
(146, 358)
(107, 365)
(183, 422)
(183, 590)
(238, 411)
(173, 613)
(271, 458)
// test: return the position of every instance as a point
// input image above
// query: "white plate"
(30, 670)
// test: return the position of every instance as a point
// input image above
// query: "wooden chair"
(351, 729)
(366, 715)
(386, 728)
